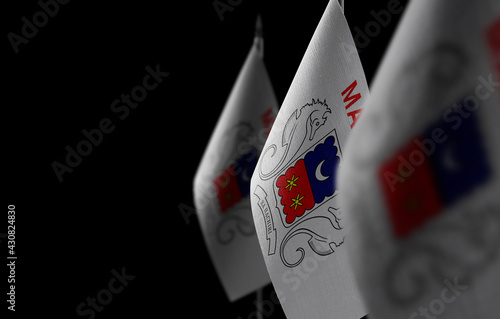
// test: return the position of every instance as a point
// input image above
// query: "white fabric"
(242, 128)
(306, 257)
(447, 265)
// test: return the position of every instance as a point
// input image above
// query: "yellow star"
(413, 203)
(296, 202)
(291, 182)
(224, 181)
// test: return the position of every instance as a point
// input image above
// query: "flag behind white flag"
(294, 196)
(421, 181)
(222, 182)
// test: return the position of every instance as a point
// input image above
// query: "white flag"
(294, 196)
(222, 182)
(421, 184)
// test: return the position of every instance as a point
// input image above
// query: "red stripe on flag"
(409, 189)
(493, 35)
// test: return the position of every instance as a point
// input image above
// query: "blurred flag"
(293, 192)
(421, 186)
(222, 182)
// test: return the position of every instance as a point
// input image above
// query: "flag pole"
(258, 303)
(259, 43)
(259, 37)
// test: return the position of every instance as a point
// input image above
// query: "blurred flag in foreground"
(222, 182)
(421, 184)
(294, 195)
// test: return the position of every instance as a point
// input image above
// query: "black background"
(120, 206)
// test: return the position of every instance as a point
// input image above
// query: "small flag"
(293, 190)
(222, 182)
(421, 181)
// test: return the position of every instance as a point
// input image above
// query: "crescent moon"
(244, 175)
(449, 161)
(320, 177)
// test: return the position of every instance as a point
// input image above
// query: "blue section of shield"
(460, 163)
(245, 165)
(321, 165)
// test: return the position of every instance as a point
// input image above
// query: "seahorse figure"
(315, 114)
